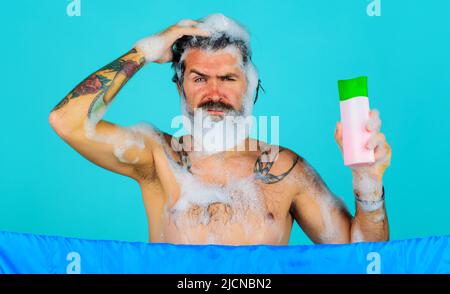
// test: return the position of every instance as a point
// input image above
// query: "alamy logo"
(374, 8)
(374, 266)
(74, 266)
(74, 8)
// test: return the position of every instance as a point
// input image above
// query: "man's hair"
(206, 43)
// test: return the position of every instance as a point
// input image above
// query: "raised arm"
(77, 119)
(322, 215)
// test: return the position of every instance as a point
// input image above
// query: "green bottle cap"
(353, 88)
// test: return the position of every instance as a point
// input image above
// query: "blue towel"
(29, 253)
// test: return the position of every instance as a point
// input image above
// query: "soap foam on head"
(219, 23)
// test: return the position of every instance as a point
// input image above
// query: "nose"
(214, 93)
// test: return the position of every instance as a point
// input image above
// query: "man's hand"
(158, 48)
(370, 173)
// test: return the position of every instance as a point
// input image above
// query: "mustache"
(215, 105)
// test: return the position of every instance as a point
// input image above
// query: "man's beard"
(213, 133)
(210, 132)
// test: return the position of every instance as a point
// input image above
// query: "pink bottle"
(354, 104)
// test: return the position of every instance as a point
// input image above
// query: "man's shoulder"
(278, 154)
(280, 161)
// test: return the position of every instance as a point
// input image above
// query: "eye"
(228, 79)
(199, 80)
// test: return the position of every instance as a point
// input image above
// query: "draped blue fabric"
(29, 253)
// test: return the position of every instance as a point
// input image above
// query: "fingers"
(338, 131)
(194, 31)
(374, 122)
(382, 152)
(375, 141)
(187, 23)
(338, 134)
(188, 27)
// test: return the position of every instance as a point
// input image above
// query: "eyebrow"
(198, 73)
(227, 75)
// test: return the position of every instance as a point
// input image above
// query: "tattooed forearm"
(106, 82)
(262, 169)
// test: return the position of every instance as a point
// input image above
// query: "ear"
(179, 88)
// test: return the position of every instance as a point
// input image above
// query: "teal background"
(301, 49)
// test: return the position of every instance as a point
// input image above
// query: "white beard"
(213, 134)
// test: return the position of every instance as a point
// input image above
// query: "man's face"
(214, 81)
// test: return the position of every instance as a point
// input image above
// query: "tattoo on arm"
(262, 169)
(106, 82)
